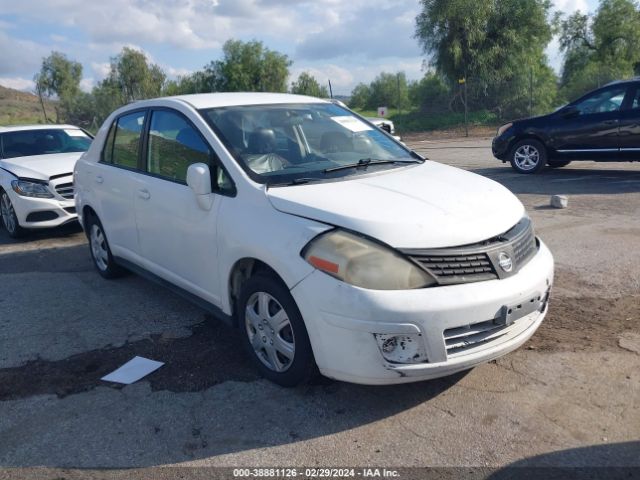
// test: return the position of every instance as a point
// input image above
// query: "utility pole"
(463, 82)
(398, 82)
(330, 90)
(531, 91)
(466, 108)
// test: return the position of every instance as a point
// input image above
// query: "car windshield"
(291, 143)
(27, 143)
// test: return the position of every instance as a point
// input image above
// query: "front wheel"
(528, 156)
(274, 331)
(100, 251)
(9, 217)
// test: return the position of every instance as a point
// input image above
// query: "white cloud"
(86, 84)
(19, 56)
(18, 83)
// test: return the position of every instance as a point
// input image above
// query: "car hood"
(41, 167)
(424, 206)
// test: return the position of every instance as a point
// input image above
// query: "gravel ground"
(570, 397)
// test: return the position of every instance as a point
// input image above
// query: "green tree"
(308, 85)
(196, 82)
(134, 77)
(360, 96)
(248, 67)
(431, 93)
(59, 77)
(601, 47)
(496, 45)
(389, 90)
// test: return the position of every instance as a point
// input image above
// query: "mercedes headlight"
(364, 263)
(31, 189)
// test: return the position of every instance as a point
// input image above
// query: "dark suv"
(602, 125)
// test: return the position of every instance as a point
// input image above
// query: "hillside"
(18, 107)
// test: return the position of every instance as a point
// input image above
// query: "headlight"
(364, 263)
(504, 128)
(31, 189)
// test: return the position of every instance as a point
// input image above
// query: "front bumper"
(501, 146)
(342, 319)
(39, 212)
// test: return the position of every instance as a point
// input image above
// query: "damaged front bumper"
(448, 328)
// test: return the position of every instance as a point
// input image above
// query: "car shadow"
(207, 400)
(38, 235)
(604, 180)
(607, 461)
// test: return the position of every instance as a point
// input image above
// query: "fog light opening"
(401, 348)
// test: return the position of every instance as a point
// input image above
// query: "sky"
(346, 41)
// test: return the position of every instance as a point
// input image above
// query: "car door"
(113, 182)
(630, 126)
(588, 128)
(177, 236)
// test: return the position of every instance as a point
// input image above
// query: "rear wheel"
(558, 163)
(100, 251)
(274, 332)
(9, 218)
(528, 156)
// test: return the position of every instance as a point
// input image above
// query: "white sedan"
(325, 241)
(36, 175)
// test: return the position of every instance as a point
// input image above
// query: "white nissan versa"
(36, 168)
(323, 239)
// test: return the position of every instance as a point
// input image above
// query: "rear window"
(27, 143)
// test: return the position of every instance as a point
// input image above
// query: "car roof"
(229, 99)
(619, 82)
(37, 126)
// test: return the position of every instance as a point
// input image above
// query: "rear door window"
(123, 142)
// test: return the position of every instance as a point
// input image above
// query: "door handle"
(610, 122)
(99, 179)
(144, 194)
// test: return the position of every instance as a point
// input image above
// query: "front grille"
(458, 268)
(479, 261)
(524, 247)
(65, 190)
(458, 340)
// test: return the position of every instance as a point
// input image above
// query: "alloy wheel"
(99, 247)
(526, 157)
(8, 214)
(270, 332)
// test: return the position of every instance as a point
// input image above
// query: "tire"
(273, 331)
(558, 163)
(9, 218)
(100, 251)
(528, 156)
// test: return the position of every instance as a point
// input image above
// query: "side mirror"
(569, 112)
(199, 180)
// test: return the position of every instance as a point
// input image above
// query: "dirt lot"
(569, 397)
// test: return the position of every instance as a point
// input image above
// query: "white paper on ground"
(133, 370)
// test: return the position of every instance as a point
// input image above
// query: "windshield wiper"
(365, 162)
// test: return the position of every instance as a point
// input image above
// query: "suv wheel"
(558, 163)
(100, 251)
(274, 332)
(9, 218)
(528, 156)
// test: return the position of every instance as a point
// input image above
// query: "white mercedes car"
(36, 175)
(327, 242)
